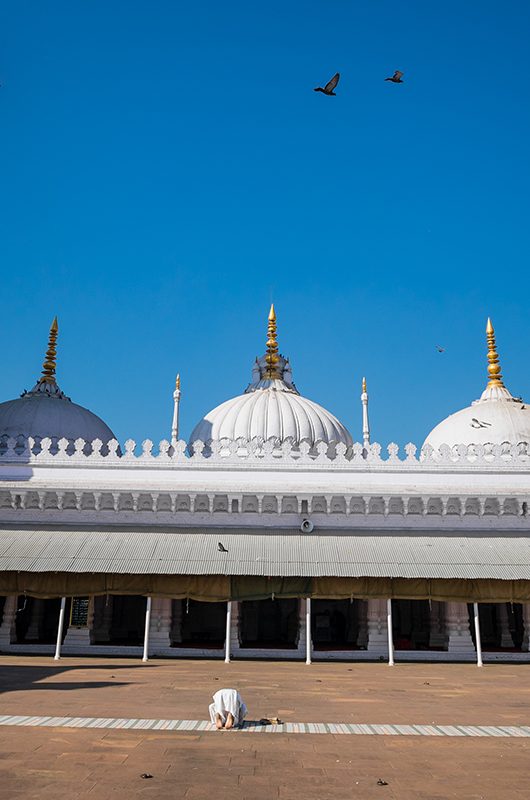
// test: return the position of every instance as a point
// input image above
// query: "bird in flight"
(330, 85)
(478, 423)
(396, 77)
(439, 348)
(221, 547)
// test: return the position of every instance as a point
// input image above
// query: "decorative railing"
(257, 452)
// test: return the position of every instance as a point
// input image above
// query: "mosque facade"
(271, 533)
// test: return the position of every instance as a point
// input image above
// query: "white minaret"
(366, 424)
(176, 402)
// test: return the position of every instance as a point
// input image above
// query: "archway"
(336, 625)
(269, 623)
(198, 624)
(411, 624)
(37, 620)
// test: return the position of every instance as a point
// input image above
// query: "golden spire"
(177, 382)
(48, 367)
(494, 368)
(364, 385)
(272, 358)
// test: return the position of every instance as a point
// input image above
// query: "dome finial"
(271, 357)
(494, 368)
(48, 367)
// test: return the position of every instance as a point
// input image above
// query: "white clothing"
(228, 701)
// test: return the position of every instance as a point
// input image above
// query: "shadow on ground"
(22, 678)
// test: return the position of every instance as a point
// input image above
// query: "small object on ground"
(381, 782)
(221, 547)
(426, 683)
(396, 77)
(270, 721)
(146, 775)
(330, 85)
(318, 680)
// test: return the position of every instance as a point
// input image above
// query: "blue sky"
(166, 170)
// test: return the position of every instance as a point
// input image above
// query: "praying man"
(228, 709)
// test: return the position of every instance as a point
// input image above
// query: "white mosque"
(270, 534)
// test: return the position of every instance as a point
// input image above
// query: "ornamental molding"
(262, 454)
(103, 506)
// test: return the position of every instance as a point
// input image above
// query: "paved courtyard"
(471, 740)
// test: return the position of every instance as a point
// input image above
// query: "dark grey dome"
(46, 411)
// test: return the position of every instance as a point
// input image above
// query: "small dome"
(46, 411)
(271, 406)
(495, 418)
(50, 415)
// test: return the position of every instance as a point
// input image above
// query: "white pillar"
(7, 628)
(459, 641)
(308, 630)
(146, 632)
(390, 633)
(477, 635)
(60, 627)
(228, 630)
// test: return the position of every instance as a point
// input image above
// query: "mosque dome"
(271, 406)
(45, 411)
(495, 418)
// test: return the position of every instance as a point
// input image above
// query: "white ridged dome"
(271, 411)
(495, 418)
(271, 406)
(46, 411)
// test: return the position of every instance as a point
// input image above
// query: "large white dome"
(271, 406)
(497, 417)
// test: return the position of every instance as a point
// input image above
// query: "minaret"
(176, 403)
(366, 424)
(49, 365)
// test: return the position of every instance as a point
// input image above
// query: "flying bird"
(221, 547)
(396, 77)
(328, 88)
(439, 348)
(478, 423)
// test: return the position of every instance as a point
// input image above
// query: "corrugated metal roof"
(194, 551)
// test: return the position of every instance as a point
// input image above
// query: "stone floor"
(84, 764)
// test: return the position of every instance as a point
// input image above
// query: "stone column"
(235, 644)
(102, 620)
(526, 622)
(437, 636)
(160, 626)
(175, 630)
(35, 625)
(80, 638)
(506, 636)
(459, 641)
(301, 640)
(362, 621)
(377, 633)
(7, 628)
